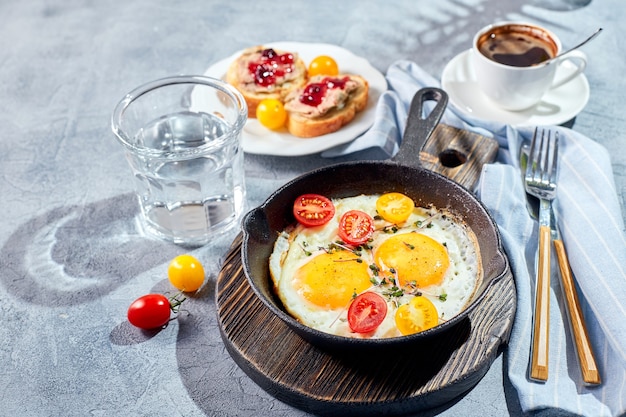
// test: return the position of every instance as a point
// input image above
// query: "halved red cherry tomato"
(356, 227)
(150, 311)
(313, 210)
(366, 312)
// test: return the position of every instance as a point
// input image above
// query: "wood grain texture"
(449, 146)
(584, 350)
(370, 383)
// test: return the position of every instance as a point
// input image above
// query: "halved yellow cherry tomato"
(394, 207)
(271, 113)
(186, 273)
(416, 316)
(323, 65)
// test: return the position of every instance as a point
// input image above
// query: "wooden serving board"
(370, 383)
(458, 154)
(374, 383)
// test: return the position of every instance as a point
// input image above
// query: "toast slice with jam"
(325, 104)
(260, 73)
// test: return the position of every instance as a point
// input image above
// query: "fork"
(540, 176)
(540, 181)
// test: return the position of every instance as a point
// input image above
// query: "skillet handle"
(256, 226)
(418, 129)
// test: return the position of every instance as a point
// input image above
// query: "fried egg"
(431, 254)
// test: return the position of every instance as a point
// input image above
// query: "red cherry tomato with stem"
(313, 210)
(356, 227)
(367, 312)
(152, 311)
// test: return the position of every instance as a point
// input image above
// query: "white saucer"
(556, 107)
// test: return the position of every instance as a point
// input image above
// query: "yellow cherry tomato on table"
(271, 113)
(186, 273)
(323, 65)
(394, 207)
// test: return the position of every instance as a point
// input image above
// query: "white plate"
(260, 140)
(557, 106)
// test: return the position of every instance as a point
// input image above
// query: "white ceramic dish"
(257, 139)
(556, 107)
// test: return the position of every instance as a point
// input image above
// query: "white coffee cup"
(517, 72)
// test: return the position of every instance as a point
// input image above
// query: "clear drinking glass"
(182, 137)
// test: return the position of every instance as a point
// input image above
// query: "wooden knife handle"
(588, 366)
(541, 319)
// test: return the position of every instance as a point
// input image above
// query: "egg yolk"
(414, 257)
(331, 279)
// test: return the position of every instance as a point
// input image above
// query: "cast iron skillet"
(402, 174)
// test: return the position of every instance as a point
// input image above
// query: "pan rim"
(336, 341)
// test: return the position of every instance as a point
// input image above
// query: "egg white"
(297, 245)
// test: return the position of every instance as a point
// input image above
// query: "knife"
(584, 350)
(578, 328)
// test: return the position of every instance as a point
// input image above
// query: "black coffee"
(517, 45)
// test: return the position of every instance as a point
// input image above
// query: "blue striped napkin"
(593, 231)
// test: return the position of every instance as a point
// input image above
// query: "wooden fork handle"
(541, 322)
(588, 366)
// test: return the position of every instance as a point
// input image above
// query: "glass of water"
(182, 137)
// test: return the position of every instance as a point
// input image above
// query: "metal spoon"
(596, 33)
